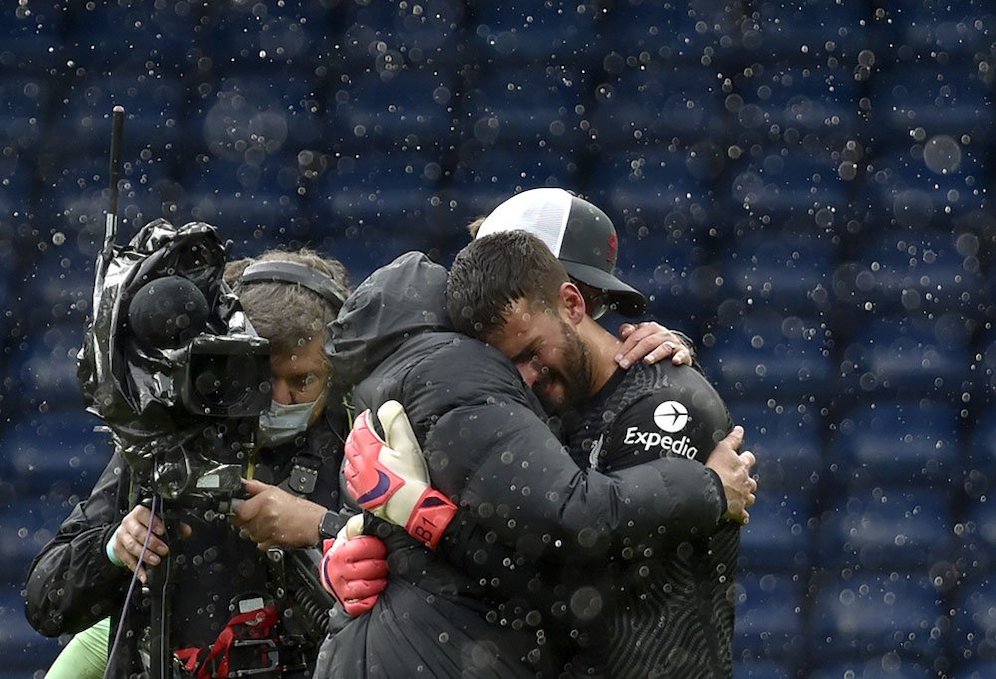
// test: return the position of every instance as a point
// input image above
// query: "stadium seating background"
(802, 187)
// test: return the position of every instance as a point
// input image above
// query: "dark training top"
(667, 612)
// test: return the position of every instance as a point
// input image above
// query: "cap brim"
(625, 300)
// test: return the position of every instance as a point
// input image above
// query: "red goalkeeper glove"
(354, 570)
(389, 478)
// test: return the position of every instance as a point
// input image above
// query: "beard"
(574, 379)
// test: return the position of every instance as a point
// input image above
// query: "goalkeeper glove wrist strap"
(430, 517)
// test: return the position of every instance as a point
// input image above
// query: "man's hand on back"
(651, 342)
(733, 468)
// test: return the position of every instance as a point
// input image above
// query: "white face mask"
(281, 423)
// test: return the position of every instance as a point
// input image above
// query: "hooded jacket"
(488, 447)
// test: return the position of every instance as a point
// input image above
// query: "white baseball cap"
(579, 234)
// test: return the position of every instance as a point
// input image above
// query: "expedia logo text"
(667, 444)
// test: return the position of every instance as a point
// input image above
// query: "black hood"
(404, 298)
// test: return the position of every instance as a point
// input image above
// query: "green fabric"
(85, 656)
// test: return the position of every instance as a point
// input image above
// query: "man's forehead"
(306, 355)
(520, 325)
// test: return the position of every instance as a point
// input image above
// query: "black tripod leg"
(161, 588)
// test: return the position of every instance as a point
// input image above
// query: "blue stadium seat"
(768, 355)
(788, 272)
(247, 114)
(769, 617)
(950, 100)
(787, 441)
(650, 106)
(55, 451)
(897, 441)
(485, 177)
(81, 123)
(31, 37)
(978, 669)
(250, 202)
(806, 30)
(57, 293)
(656, 191)
(362, 248)
(977, 536)
(909, 356)
(780, 534)
(798, 100)
(887, 527)
(981, 446)
(24, 102)
(761, 669)
(874, 614)
(28, 524)
(541, 106)
(407, 108)
(799, 188)
(908, 272)
(667, 269)
(524, 32)
(974, 622)
(381, 34)
(72, 209)
(15, 174)
(44, 371)
(922, 192)
(292, 34)
(25, 652)
(164, 35)
(687, 32)
(383, 192)
(985, 379)
(959, 28)
(884, 666)
(75, 200)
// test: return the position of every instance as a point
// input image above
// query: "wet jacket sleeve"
(491, 450)
(71, 584)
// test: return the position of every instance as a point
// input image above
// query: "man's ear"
(572, 302)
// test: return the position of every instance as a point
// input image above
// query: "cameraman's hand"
(275, 518)
(129, 538)
(734, 470)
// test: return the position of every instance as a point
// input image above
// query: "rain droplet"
(942, 154)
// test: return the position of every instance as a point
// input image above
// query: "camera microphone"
(167, 312)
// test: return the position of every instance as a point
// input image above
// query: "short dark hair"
(491, 273)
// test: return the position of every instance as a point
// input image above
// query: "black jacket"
(487, 446)
(71, 583)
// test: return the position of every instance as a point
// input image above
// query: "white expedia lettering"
(667, 444)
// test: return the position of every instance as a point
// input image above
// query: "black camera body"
(172, 365)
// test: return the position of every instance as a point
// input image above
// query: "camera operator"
(227, 613)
